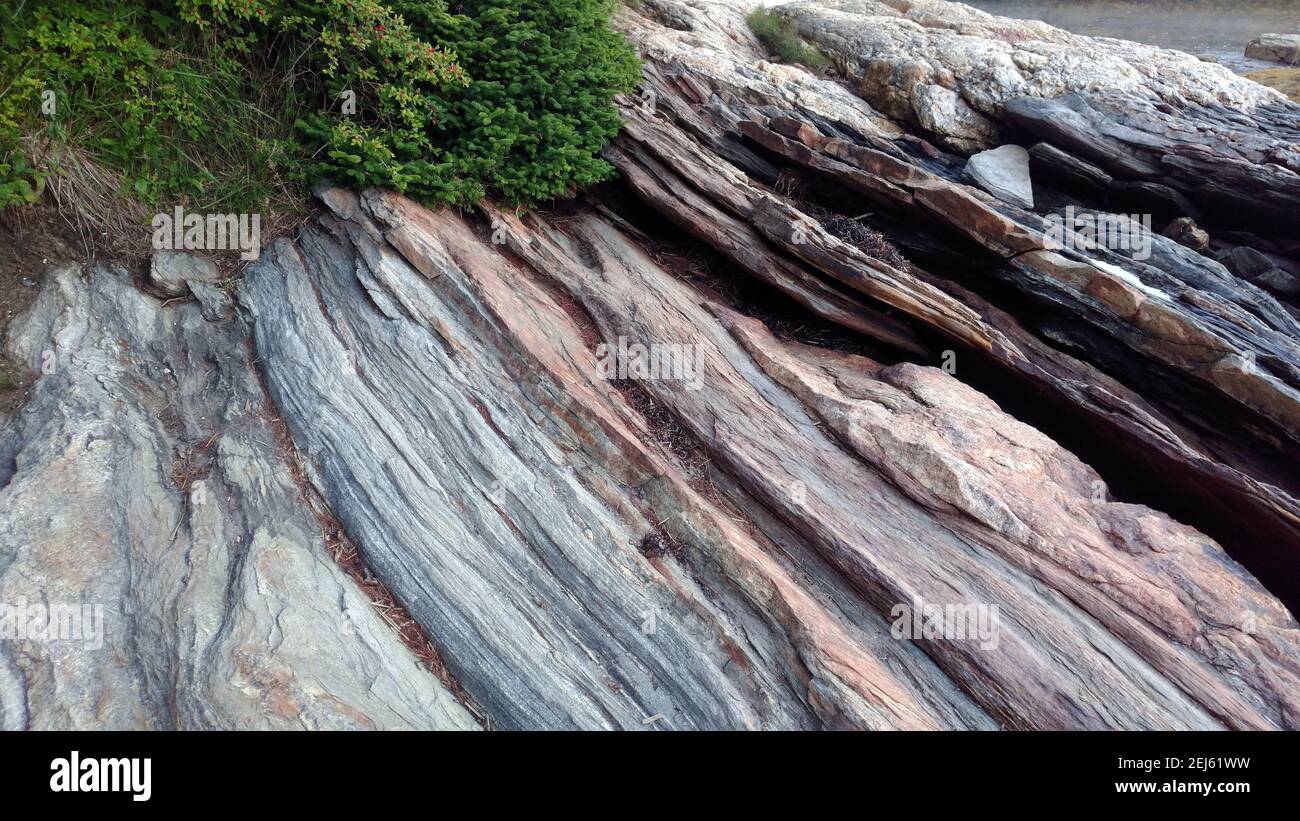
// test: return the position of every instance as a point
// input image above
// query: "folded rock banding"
(897, 394)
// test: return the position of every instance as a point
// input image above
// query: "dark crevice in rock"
(718, 278)
(1244, 440)
(1135, 473)
(1132, 471)
(1247, 442)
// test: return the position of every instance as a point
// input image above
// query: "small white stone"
(1004, 173)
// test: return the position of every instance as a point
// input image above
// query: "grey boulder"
(1277, 48)
(172, 271)
(1004, 173)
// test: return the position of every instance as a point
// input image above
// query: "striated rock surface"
(788, 427)
(906, 54)
(517, 501)
(1225, 484)
(1145, 115)
(143, 492)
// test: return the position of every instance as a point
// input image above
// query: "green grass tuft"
(780, 37)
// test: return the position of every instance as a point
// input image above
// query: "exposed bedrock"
(1178, 330)
(145, 501)
(691, 450)
(515, 500)
(971, 81)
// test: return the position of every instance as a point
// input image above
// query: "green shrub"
(522, 115)
(182, 121)
(362, 47)
(780, 37)
(539, 104)
(509, 98)
(20, 182)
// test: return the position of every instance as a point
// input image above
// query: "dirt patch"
(794, 186)
(668, 432)
(14, 386)
(32, 242)
(658, 543)
(193, 464)
(1285, 80)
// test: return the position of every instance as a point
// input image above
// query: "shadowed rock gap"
(1134, 475)
(1133, 472)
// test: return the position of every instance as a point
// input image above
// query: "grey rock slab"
(897, 54)
(459, 427)
(447, 456)
(1279, 48)
(215, 303)
(1260, 269)
(148, 488)
(1004, 173)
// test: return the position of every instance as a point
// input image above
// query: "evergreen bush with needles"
(223, 103)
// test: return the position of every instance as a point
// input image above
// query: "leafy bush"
(20, 182)
(392, 75)
(521, 114)
(210, 102)
(176, 121)
(538, 107)
(780, 37)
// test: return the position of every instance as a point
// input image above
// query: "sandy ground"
(1285, 80)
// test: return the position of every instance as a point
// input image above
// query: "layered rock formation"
(1152, 119)
(707, 446)
(144, 487)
